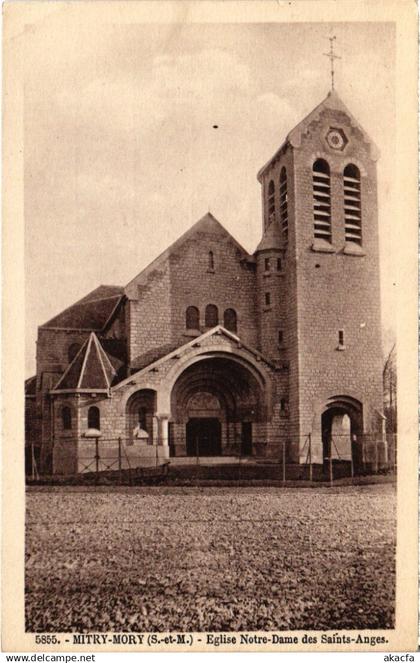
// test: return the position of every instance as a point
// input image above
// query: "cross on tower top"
(332, 56)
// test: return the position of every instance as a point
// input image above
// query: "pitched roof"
(92, 312)
(207, 223)
(198, 340)
(30, 386)
(272, 238)
(90, 370)
(332, 102)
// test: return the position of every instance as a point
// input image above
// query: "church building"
(211, 351)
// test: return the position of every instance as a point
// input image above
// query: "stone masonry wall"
(336, 291)
(284, 287)
(150, 323)
(231, 284)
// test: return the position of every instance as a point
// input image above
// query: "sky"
(121, 154)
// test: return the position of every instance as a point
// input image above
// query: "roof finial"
(332, 56)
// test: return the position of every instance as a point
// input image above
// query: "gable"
(193, 254)
(333, 107)
(206, 228)
(203, 343)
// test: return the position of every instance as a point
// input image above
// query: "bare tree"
(390, 390)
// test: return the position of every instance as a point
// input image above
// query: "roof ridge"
(91, 350)
(82, 370)
(101, 352)
(80, 310)
(100, 299)
(179, 241)
(81, 300)
(81, 349)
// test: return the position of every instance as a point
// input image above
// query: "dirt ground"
(210, 559)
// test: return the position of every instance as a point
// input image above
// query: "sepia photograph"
(211, 282)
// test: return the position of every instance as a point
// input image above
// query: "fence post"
(33, 461)
(119, 460)
(363, 454)
(331, 468)
(310, 456)
(376, 455)
(283, 450)
(197, 460)
(351, 462)
(96, 458)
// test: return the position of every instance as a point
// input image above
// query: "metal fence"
(336, 457)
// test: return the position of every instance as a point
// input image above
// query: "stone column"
(163, 437)
(155, 430)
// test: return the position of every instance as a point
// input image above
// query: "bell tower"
(320, 192)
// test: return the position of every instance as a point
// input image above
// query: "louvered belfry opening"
(271, 200)
(352, 204)
(322, 200)
(283, 204)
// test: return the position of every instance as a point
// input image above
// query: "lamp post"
(94, 433)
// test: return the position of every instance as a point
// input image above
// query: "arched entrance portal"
(342, 426)
(216, 403)
(204, 429)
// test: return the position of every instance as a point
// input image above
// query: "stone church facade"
(211, 351)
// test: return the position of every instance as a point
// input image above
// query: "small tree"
(390, 390)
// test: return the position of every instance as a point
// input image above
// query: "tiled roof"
(152, 355)
(116, 351)
(91, 312)
(271, 239)
(90, 370)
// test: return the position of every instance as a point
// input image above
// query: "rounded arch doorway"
(214, 403)
(342, 426)
(204, 427)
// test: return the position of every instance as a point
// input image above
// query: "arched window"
(283, 204)
(94, 418)
(66, 417)
(192, 318)
(211, 261)
(212, 315)
(270, 200)
(72, 351)
(230, 320)
(352, 204)
(322, 200)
